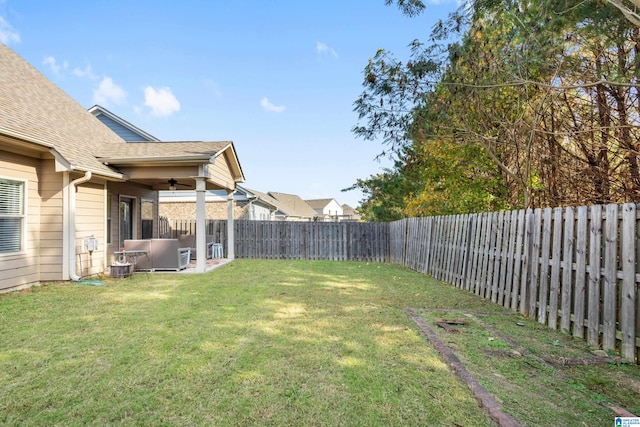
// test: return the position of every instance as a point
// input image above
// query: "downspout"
(252, 208)
(72, 224)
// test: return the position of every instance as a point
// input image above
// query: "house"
(292, 208)
(123, 128)
(327, 209)
(350, 214)
(71, 190)
(248, 205)
(180, 203)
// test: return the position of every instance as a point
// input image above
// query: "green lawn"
(282, 343)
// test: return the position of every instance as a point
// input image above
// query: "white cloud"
(268, 106)
(7, 34)
(108, 92)
(324, 49)
(53, 64)
(86, 72)
(161, 101)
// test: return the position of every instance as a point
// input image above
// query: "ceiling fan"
(173, 183)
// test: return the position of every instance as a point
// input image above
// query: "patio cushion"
(162, 254)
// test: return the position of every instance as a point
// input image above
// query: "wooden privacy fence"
(171, 229)
(338, 241)
(570, 268)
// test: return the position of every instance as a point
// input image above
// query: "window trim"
(23, 216)
(109, 219)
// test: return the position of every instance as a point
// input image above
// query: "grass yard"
(281, 343)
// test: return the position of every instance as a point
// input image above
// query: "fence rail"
(573, 269)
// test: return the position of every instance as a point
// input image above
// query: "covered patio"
(175, 166)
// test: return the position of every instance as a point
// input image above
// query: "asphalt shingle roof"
(293, 205)
(155, 150)
(34, 108)
(318, 203)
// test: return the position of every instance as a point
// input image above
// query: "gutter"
(72, 224)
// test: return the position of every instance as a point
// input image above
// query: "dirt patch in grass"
(538, 376)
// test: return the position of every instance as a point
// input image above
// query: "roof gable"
(320, 203)
(121, 127)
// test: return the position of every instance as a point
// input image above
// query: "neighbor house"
(327, 209)
(292, 208)
(248, 205)
(71, 190)
(350, 214)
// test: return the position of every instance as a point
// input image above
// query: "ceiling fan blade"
(174, 182)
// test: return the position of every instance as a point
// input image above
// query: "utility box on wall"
(90, 244)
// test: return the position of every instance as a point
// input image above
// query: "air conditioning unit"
(90, 244)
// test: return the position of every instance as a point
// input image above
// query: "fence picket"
(535, 262)
(518, 261)
(581, 262)
(510, 258)
(610, 278)
(554, 288)
(593, 296)
(543, 296)
(628, 289)
(497, 253)
(567, 270)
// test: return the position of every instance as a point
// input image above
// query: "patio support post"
(230, 228)
(201, 218)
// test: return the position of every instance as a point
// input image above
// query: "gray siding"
(123, 132)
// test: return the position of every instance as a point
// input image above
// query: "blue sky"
(276, 77)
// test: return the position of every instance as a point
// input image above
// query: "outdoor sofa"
(158, 254)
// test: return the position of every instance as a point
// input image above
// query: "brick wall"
(214, 210)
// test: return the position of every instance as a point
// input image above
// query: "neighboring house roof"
(36, 111)
(318, 203)
(348, 210)
(261, 198)
(293, 205)
(270, 200)
(120, 126)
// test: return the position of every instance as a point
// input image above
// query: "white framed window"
(12, 215)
